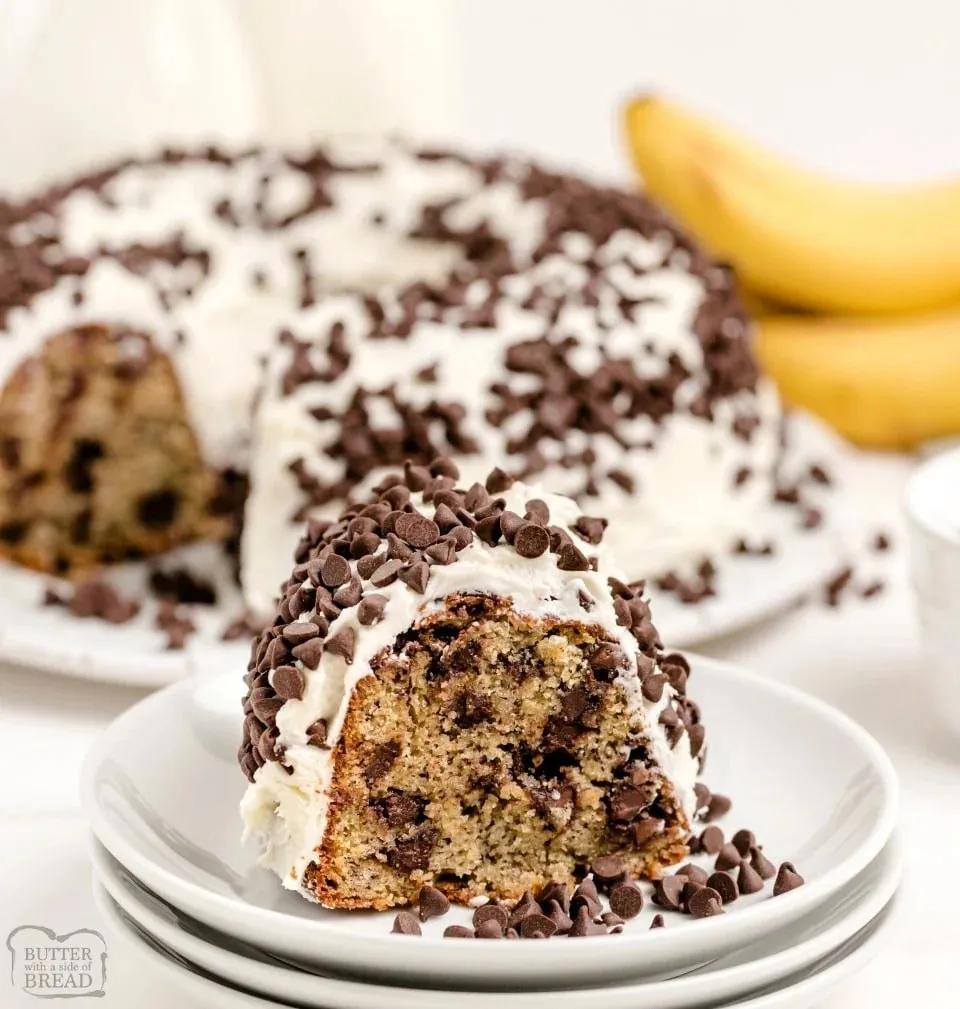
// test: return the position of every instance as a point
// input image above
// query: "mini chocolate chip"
(668, 892)
(743, 841)
(531, 540)
(658, 921)
(288, 682)
(609, 869)
(443, 552)
(492, 911)
(705, 903)
(590, 529)
(334, 571)
(725, 885)
(490, 929)
(417, 530)
(554, 891)
(719, 806)
(488, 529)
(348, 594)
(569, 558)
(727, 858)
(433, 903)
(510, 523)
(406, 923)
(583, 924)
(787, 879)
(555, 912)
(387, 573)
(692, 872)
(702, 794)
(458, 932)
(626, 900)
(538, 511)
(299, 632)
(748, 879)
(371, 609)
(537, 923)
(498, 481)
(762, 864)
(652, 688)
(343, 643)
(416, 576)
(711, 840)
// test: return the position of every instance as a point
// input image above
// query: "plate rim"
(876, 934)
(764, 912)
(870, 906)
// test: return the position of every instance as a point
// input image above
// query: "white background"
(867, 89)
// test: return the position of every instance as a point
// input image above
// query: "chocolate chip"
(343, 643)
(382, 758)
(668, 892)
(590, 529)
(583, 924)
(626, 900)
(692, 872)
(334, 571)
(705, 903)
(386, 574)
(488, 529)
(645, 828)
(727, 858)
(609, 869)
(349, 593)
(748, 879)
(534, 923)
(417, 530)
(433, 903)
(498, 481)
(491, 912)
(711, 840)
(371, 609)
(555, 912)
(787, 879)
(531, 540)
(490, 929)
(725, 885)
(297, 633)
(761, 864)
(652, 687)
(538, 512)
(743, 841)
(416, 576)
(557, 892)
(658, 921)
(586, 896)
(412, 853)
(317, 732)
(719, 806)
(569, 558)
(443, 552)
(288, 682)
(458, 932)
(406, 924)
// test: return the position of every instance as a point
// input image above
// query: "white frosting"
(286, 812)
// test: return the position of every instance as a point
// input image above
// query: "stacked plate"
(174, 881)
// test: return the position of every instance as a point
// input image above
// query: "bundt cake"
(407, 303)
(459, 689)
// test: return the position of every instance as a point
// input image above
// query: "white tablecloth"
(864, 657)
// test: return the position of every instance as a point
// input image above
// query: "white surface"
(185, 845)
(752, 966)
(863, 656)
(796, 992)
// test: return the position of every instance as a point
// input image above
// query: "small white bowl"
(933, 509)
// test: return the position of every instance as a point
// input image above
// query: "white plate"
(51, 640)
(755, 965)
(161, 789)
(801, 990)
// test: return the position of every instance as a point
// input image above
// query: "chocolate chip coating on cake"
(485, 716)
(408, 303)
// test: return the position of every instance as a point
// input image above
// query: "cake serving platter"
(185, 844)
(749, 589)
(781, 953)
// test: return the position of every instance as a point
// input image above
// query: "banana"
(886, 382)
(796, 237)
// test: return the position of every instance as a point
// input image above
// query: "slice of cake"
(459, 689)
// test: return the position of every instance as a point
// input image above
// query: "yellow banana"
(794, 236)
(884, 382)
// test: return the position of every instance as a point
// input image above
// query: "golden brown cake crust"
(486, 757)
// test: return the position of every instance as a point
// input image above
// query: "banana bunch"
(875, 270)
